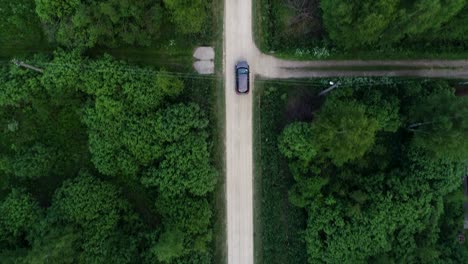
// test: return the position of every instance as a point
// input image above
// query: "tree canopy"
(439, 123)
(80, 23)
(357, 24)
(18, 214)
(18, 23)
(102, 161)
(380, 195)
(188, 16)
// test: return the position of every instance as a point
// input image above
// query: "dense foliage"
(112, 23)
(384, 22)
(18, 22)
(188, 16)
(278, 222)
(88, 23)
(374, 170)
(100, 162)
(320, 28)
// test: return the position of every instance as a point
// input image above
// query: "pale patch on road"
(204, 53)
(204, 67)
(205, 60)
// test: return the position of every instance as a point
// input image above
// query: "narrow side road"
(281, 69)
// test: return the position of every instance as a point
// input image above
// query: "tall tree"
(122, 121)
(97, 209)
(18, 214)
(439, 123)
(343, 131)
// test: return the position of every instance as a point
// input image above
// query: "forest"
(375, 171)
(102, 161)
(398, 28)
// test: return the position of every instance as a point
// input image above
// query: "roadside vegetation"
(375, 167)
(101, 159)
(277, 222)
(340, 29)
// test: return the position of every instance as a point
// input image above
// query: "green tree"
(62, 9)
(357, 24)
(18, 214)
(125, 120)
(394, 213)
(33, 162)
(439, 124)
(88, 202)
(104, 218)
(296, 142)
(122, 123)
(18, 86)
(185, 166)
(42, 133)
(56, 245)
(79, 23)
(61, 77)
(352, 24)
(422, 16)
(169, 246)
(188, 16)
(386, 203)
(189, 216)
(343, 131)
(456, 29)
(18, 24)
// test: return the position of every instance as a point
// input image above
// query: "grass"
(401, 54)
(220, 246)
(8, 52)
(278, 224)
(215, 101)
(208, 92)
(218, 113)
(175, 57)
(375, 68)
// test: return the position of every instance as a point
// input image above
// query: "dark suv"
(242, 77)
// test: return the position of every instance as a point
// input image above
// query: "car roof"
(242, 64)
(243, 83)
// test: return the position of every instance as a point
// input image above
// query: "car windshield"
(243, 71)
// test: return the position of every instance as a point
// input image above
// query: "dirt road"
(238, 45)
(281, 69)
